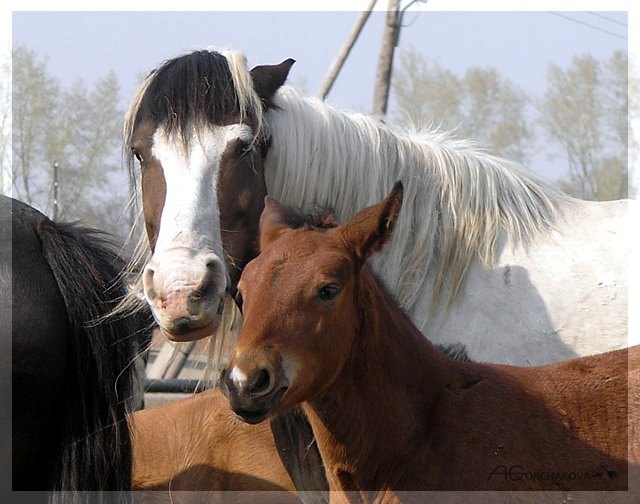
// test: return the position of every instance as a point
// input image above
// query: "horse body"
(73, 374)
(198, 446)
(39, 359)
(390, 412)
(546, 292)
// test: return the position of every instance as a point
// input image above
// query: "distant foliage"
(5, 123)
(583, 113)
(77, 127)
(481, 105)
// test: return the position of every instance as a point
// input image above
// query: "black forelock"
(192, 89)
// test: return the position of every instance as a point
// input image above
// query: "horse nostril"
(147, 283)
(213, 282)
(181, 325)
(208, 289)
(263, 383)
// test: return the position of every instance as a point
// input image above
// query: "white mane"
(460, 203)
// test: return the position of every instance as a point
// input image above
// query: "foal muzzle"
(253, 391)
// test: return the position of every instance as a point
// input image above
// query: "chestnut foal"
(390, 412)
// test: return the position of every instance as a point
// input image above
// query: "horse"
(485, 250)
(197, 447)
(73, 371)
(391, 414)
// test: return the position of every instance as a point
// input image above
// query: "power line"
(588, 25)
(601, 16)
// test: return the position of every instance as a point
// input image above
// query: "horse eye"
(243, 148)
(328, 292)
(138, 156)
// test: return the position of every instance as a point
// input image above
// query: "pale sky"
(520, 45)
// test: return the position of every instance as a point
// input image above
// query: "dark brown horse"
(390, 412)
(72, 374)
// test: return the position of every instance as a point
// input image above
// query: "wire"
(588, 25)
(601, 16)
(404, 10)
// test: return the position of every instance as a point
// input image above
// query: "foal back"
(571, 425)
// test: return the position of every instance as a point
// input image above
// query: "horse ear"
(371, 228)
(275, 219)
(267, 79)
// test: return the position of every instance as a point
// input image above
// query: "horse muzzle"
(253, 392)
(186, 294)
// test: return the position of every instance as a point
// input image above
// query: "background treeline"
(582, 121)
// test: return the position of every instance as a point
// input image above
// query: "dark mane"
(319, 218)
(187, 91)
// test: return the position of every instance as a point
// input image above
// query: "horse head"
(195, 130)
(301, 300)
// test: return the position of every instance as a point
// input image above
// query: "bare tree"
(481, 105)
(584, 111)
(77, 127)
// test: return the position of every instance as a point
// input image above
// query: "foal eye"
(328, 292)
(138, 156)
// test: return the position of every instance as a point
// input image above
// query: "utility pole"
(55, 190)
(338, 62)
(385, 61)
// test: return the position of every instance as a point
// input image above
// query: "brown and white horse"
(391, 413)
(485, 252)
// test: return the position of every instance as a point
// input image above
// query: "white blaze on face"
(186, 279)
(191, 216)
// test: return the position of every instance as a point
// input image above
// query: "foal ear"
(267, 79)
(371, 228)
(275, 219)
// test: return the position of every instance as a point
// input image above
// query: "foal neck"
(376, 412)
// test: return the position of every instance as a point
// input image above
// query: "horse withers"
(390, 412)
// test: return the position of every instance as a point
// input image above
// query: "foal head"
(195, 129)
(301, 307)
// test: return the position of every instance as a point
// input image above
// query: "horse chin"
(193, 334)
(264, 410)
(183, 333)
(253, 417)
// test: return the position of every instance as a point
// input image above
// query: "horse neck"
(377, 411)
(469, 202)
